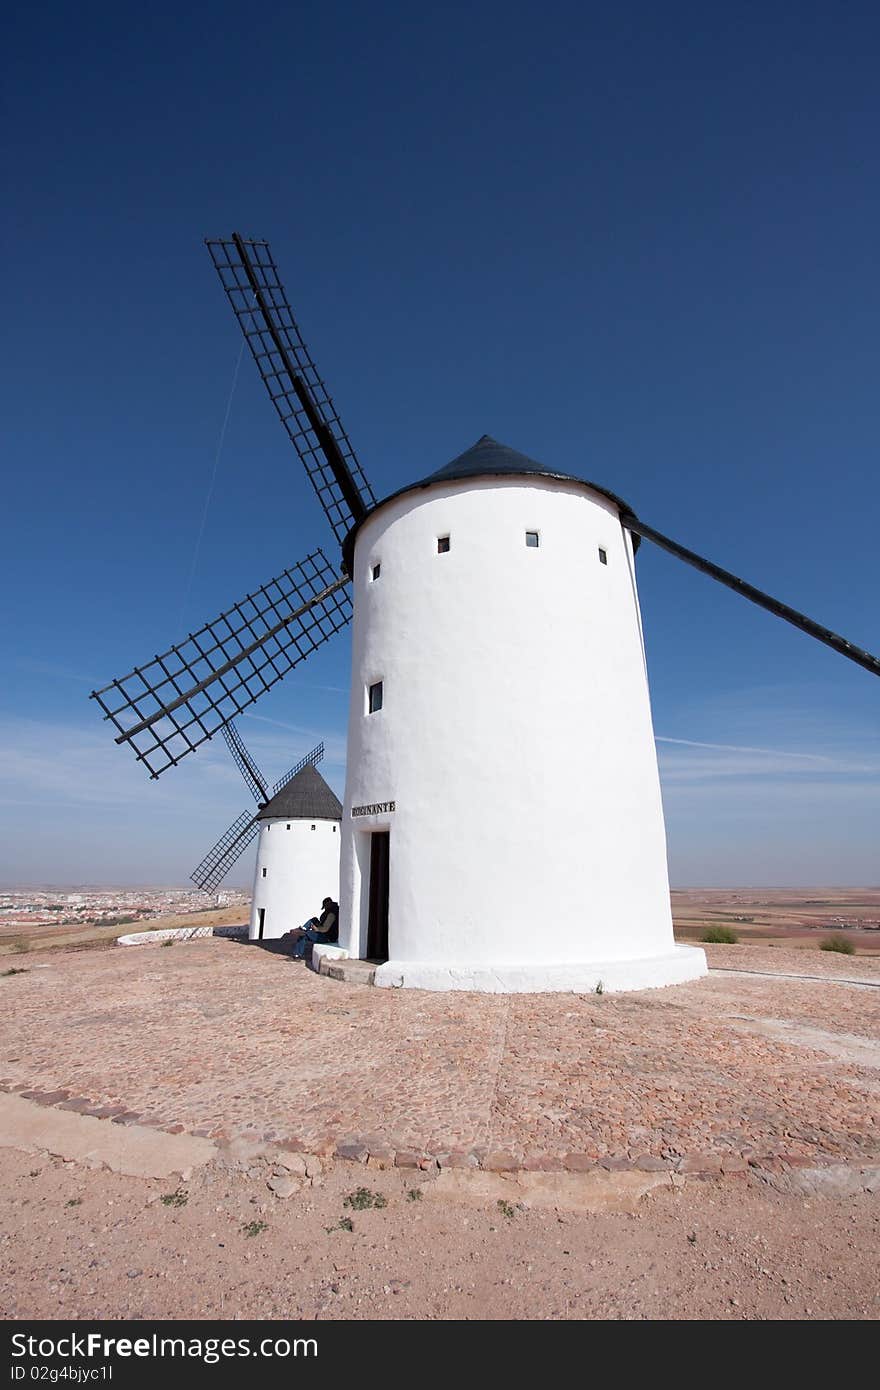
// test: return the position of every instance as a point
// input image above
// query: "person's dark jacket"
(328, 922)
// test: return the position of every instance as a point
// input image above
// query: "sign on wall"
(376, 809)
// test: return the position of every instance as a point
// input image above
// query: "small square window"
(313, 827)
(288, 825)
(334, 830)
(532, 540)
(442, 545)
(374, 698)
(603, 556)
(375, 571)
(264, 873)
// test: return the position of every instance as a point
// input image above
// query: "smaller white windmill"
(297, 854)
(244, 829)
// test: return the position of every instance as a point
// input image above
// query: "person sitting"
(323, 928)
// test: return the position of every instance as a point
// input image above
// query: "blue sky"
(636, 241)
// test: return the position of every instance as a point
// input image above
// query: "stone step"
(353, 972)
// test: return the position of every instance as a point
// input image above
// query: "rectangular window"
(374, 698)
(603, 556)
(264, 873)
(532, 540)
(442, 545)
(376, 571)
(288, 825)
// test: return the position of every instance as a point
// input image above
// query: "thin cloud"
(744, 748)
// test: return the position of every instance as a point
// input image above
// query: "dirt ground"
(83, 1244)
(704, 1151)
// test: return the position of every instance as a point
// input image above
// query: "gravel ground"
(219, 1038)
(828, 965)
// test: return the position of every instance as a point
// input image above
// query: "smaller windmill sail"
(245, 764)
(250, 278)
(228, 849)
(171, 705)
(314, 758)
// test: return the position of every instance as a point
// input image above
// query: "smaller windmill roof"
(487, 458)
(306, 797)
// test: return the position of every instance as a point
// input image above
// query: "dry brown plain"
(781, 916)
(45, 937)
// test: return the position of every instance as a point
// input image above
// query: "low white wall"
(155, 938)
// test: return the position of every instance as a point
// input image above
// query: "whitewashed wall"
(302, 868)
(527, 842)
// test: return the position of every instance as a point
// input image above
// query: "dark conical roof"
(485, 459)
(487, 456)
(306, 797)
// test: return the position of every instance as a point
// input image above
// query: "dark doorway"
(377, 928)
(262, 916)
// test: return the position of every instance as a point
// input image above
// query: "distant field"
(14, 940)
(784, 916)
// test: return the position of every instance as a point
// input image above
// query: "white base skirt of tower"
(606, 977)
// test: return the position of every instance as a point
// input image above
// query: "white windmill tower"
(502, 775)
(503, 827)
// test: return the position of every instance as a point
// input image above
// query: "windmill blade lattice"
(314, 758)
(245, 764)
(228, 849)
(250, 278)
(773, 605)
(174, 703)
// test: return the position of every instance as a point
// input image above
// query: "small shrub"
(600, 987)
(344, 1224)
(12, 971)
(720, 936)
(74, 1202)
(179, 1198)
(169, 942)
(255, 1228)
(364, 1198)
(506, 1208)
(839, 943)
(415, 1194)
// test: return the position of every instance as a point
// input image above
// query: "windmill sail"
(228, 849)
(174, 703)
(250, 278)
(773, 605)
(314, 758)
(245, 763)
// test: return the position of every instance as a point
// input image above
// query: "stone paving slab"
(220, 1039)
(129, 1149)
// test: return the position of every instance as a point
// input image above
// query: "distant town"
(106, 907)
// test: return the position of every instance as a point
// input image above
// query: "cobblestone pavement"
(221, 1038)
